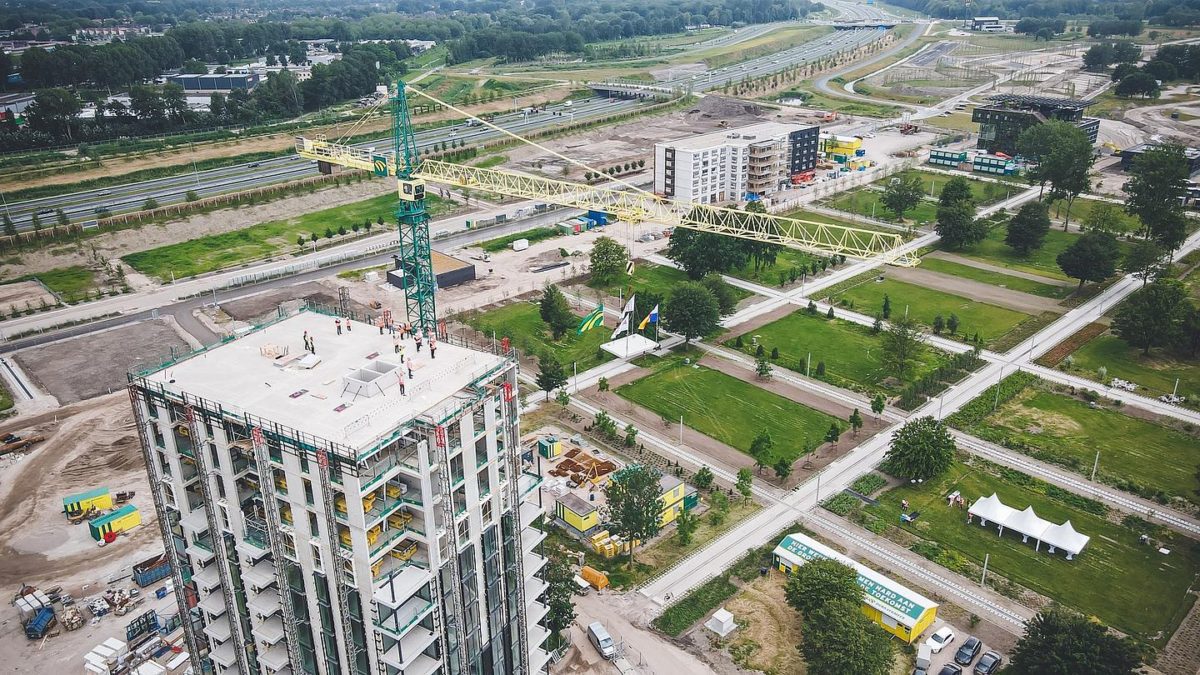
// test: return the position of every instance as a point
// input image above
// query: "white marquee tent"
(1029, 524)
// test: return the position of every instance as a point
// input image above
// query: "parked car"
(950, 669)
(942, 637)
(968, 651)
(988, 663)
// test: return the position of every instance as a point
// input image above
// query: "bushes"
(868, 483)
(841, 503)
(978, 409)
(700, 601)
(935, 382)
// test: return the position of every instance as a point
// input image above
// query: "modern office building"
(334, 506)
(987, 24)
(210, 82)
(728, 165)
(1128, 155)
(1005, 116)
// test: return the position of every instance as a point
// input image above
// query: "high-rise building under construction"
(336, 499)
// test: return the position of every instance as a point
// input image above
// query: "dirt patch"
(977, 291)
(25, 294)
(258, 307)
(89, 444)
(768, 628)
(91, 365)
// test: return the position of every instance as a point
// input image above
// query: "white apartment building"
(346, 509)
(724, 166)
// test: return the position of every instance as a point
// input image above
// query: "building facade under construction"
(338, 498)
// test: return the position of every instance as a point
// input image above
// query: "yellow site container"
(598, 579)
(98, 498)
(125, 518)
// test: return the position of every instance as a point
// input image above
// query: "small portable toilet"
(99, 498)
(125, 518)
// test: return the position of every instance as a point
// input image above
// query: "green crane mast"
(412, 219)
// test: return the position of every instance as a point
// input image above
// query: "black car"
(968, 651)
(950, 669)
(988, 663)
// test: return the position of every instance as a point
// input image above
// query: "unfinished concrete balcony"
(270, 631)
(408, 654)
(274, 659)
(265, 604)
(404, 618)
(218, 629)
(400, 583)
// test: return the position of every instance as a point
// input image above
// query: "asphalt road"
(81, 206)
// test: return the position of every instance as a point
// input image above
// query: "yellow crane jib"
(364, 159)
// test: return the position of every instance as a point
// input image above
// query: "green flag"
(593, 319)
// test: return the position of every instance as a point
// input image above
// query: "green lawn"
(1042, 261)
(6, 399)
(535, 235)
(1127, 585)
(219, 251)
(1067, 431)
(785, 260)
(730, 410)
(650, 278)
(68, 282)
(989, 321)
(995, 278)
(852, 355)
(1083, 206)
(522, 322)
(865, 202)
(804, 214)
(985, 192)
(1155, 374)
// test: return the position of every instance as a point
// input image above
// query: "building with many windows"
(333, 505)
(1005, 116)
(728, 165)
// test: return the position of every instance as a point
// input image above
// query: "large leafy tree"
(958, 227)
(556, 312)
(957, 190)
(1027, 230)
(1157, 185)
(838, 638)
(923, 448)
(560, 588)
(632, 503)
(700, 253)
(760, 449)
(902, 195)
(608, 260)
(692, 311)
(551, 374)
(1060, 642)
(902, 346)
(1145, 261)
(1153, 316)
(1068, 165)
(54, 111)
(723, 292)
(1091, 257)
(821, 581)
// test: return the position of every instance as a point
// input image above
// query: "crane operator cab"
(412, 190)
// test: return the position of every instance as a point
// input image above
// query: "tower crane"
(633, 205)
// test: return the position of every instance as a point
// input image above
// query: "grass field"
(805, 214)
(650, 278)
(985, 192)
(866, 202)
(218, 251)
(522, 322)
(989, 321)
(490, 161)
(1156, 373)
(6, 399)
(68, 282)
(851, 354)
(1082, 207)
(785, 260)
(814, 99)
(535, 235)
(995, 278)
(1095, 583)
(1042, 261)
(729, 410)
(1068, 432)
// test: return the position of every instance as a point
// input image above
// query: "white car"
(942, 637)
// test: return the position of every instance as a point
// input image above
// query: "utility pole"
(681, 430)
(983, 578)
(1096, 465)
